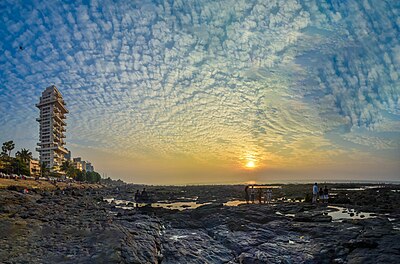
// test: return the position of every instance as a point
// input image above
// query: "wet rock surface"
(78, 226)
(75, 227)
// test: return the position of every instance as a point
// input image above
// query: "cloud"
(209, 81)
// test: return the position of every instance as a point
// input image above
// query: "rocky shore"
(80, 226)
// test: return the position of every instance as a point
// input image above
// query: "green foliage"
(17, 166)
(5, 162)
(11, 165)
(44, 170)
(20, 165)
(91, 177)
(69, 169)
(7, 147)
(80, 176)
(24, 154)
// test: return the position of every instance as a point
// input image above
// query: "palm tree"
(25, 155)
(68, 168)
(7, 147)
(65, 166)
(44, 170)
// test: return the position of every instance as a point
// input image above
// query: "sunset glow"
(250, 164)
(165, 92)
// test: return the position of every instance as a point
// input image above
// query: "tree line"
(78, 175)
(20, 165)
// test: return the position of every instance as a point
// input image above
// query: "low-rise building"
(89, 167)
(77, 163)
(82, 165)
(34, 167)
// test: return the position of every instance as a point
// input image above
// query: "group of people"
(141, 197)
(319, 194)
(262, 196)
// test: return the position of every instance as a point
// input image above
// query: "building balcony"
(53, 100)
(61, 104)
(63, 150)
(45, 102)
(57, 130)
(59, 120)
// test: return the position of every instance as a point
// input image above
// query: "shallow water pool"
(346, 213)
(130, 205)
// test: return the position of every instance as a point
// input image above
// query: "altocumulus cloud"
(208, 80)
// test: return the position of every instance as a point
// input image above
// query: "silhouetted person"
(252, 194)
(246, 195)
(268, 196)
(260, 192)
(144, 196)
(137, 197)
(326, 194)
(321, 195)
(315, 193)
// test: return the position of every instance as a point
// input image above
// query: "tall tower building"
(52, 128)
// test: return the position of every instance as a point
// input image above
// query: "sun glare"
(250, 164)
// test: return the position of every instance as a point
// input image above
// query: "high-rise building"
(52, 128)
(68, 155)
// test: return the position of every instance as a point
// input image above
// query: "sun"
(250, 164)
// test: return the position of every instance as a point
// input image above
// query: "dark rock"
(15, 188)
(360, 243)
(193, 246)
(312, 217)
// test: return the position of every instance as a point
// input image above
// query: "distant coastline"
(277, 182)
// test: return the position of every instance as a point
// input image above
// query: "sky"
(210, 91)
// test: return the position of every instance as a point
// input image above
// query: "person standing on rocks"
(315, 193)
(321, 195)
(269, 195)
(252, 194)
(144, 197)
(260, 193)
(137, 198)
(326, 194)
(246, 195)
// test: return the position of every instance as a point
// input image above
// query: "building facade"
(79, 164)
(52, 128)
(68, 155)
(89, 167)
(34, 167)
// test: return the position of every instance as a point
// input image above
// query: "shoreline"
(45, 185)
(77, 225)
(373, 182)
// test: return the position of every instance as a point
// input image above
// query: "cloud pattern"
(281, 82)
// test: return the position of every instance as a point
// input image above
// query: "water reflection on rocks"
(196, 225)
